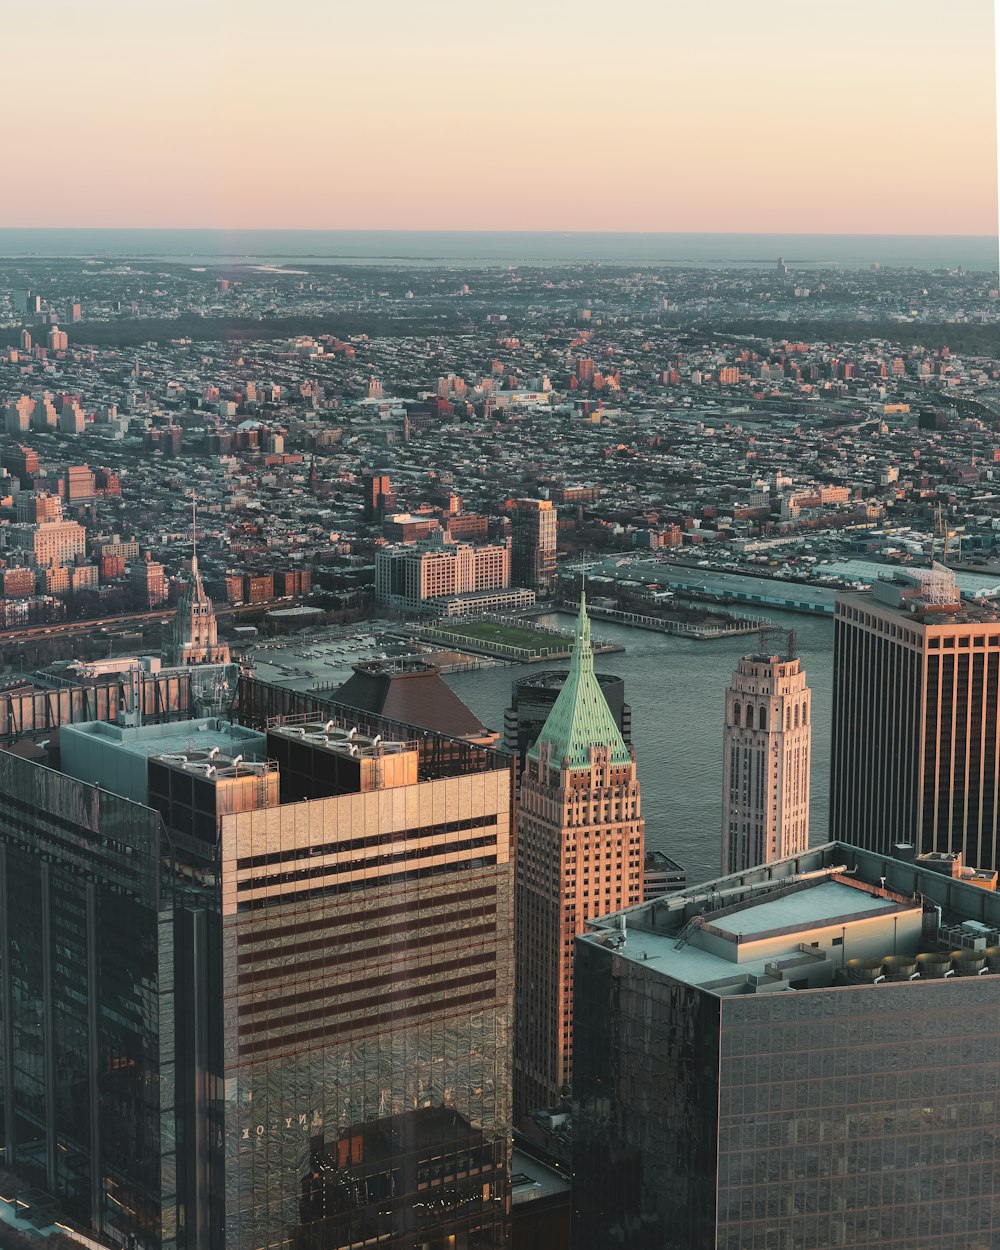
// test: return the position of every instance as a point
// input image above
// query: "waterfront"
(473, 249)
(676, 687)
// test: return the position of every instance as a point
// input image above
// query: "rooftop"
(173, 738)
(821, 903)
(411, 692)
(822, 920)
(531, 1179)
(581, 718)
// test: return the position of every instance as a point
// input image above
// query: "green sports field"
(507, 635)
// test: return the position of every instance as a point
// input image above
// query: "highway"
(64, 629)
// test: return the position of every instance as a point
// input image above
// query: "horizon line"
(446, 230)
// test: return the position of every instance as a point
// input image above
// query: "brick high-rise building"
(80, 484)
(915, 750)
(149, 581)
(18, 415)
(21, 462)
(58, 340)
(38, 506)
(765, 772)
(49, 543)
(580, 854)
(425, 575)
(533, 551)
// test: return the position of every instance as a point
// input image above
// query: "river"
(676, 687)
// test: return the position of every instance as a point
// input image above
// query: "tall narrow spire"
(583, 651)
(580, 718)
(194, 532)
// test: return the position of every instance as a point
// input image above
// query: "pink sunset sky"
(854, 116)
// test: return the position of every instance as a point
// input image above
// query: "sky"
(826, 116)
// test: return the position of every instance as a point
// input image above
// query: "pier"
(685, 629)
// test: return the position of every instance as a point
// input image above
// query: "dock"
(684, 629)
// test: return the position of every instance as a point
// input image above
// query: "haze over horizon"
(725, 119)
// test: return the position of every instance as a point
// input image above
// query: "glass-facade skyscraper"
(534, 530)
(802, 1056)
(271, 1004)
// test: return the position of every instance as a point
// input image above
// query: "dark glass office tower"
(803, 1056)
(534, 530)
(270, 1004)
(87, 949)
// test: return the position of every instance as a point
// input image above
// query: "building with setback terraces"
(580, 854)
(765, 762)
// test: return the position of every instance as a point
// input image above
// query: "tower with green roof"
(580, 854)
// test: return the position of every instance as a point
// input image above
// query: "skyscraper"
(377, 492)
(194, 633)
(916, 677)
(580, 854)
(533, 533)
(803, 1055)
(534, 696)
(256, 988)
(765, 770)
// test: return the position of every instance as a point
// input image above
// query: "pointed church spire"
(193, 637)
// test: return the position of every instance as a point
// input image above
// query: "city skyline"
(729, 119)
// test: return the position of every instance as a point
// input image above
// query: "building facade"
(580, 854)
(765, 769)
(534, 532)
(377, 495)
(148, 579)
(262, 998)
(915, 752)
(804, 1055)
(48, 544)
(408, 577)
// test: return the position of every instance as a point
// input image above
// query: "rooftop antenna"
(194, 532)
(774, 639)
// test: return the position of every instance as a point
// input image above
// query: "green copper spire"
(580, 717)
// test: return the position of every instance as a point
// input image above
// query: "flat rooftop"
(823, 903)
(177, 738)
(531, 1179)
(786, 932)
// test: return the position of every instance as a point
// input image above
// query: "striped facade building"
(915, 751)
(256, 984)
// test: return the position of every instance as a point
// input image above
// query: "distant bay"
(479, 249)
